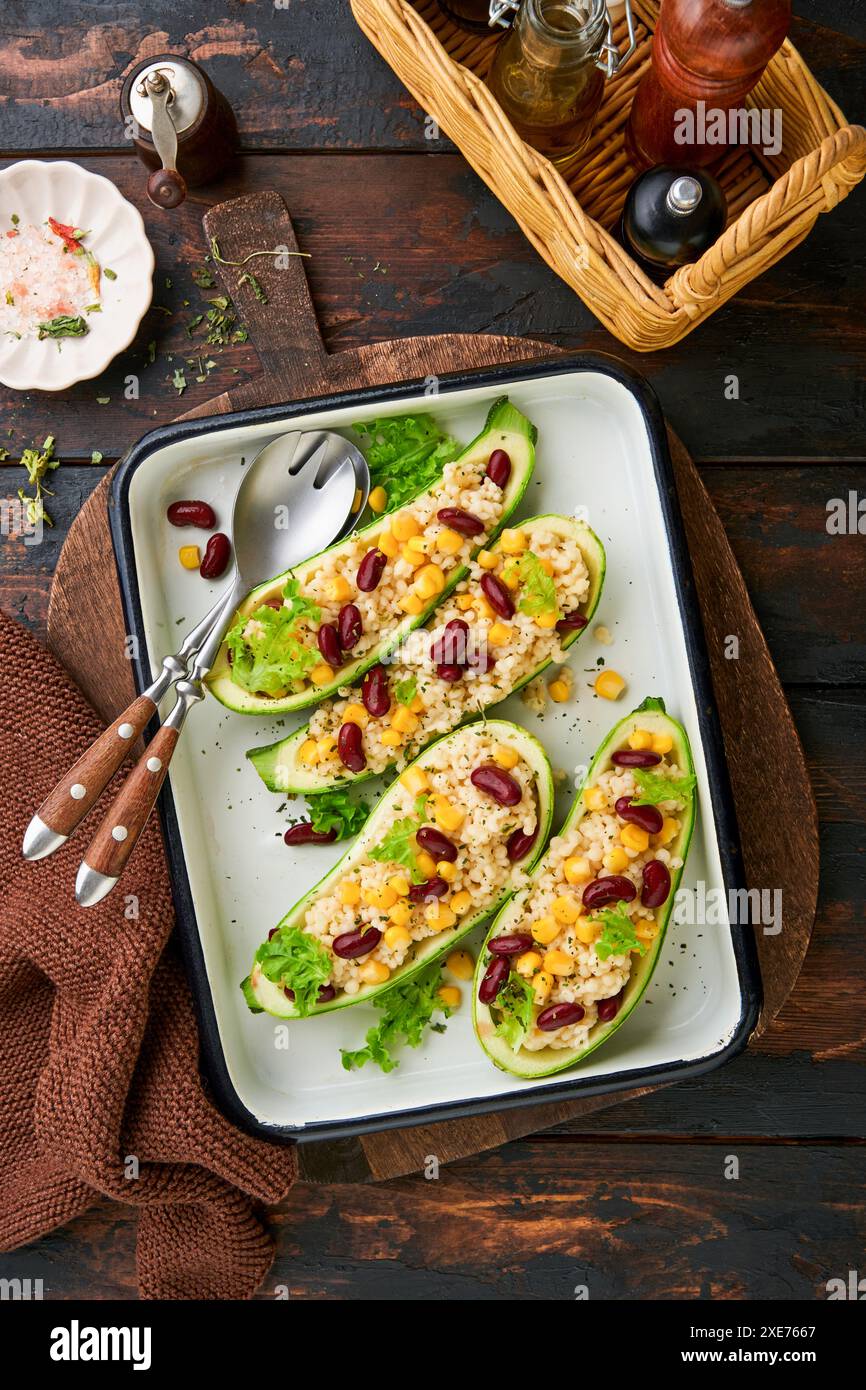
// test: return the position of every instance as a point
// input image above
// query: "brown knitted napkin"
(98, 1043)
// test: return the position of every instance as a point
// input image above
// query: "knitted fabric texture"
(98, 1041)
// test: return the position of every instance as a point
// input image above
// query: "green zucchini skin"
(270, 997)
(650, 715)
(505, 428)
(277, 763)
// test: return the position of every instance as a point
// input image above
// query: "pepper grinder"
(671, 217)
(707, 53)
(182, 127)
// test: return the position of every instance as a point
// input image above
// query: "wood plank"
(535, 1220)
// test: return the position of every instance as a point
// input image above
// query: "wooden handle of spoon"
(116, 838)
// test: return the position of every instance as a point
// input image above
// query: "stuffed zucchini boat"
(306, 633)
(438, 855)
(570, 955)
(546, 577)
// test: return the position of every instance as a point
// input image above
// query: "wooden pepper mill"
(182, 127)
(710, 51)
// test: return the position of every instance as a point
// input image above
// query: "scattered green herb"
(407, 1011)
(109, 273)
(255, 285)
(64, 326)
(38, 462)
(178, 381)
(405, 690)
(514, 1005)
(96, 456)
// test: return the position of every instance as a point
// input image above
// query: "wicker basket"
(772, 202)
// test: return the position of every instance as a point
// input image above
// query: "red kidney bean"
(559, 1016)
(636, 757)
(451, 649)
(437, 844)
(649, 818)
(275, 603)
(350, 746)
(656, 884)
(498, 784)
(513, 944)
(483, 663)
(464, 523)
(571, 622)
(192, 514)
(216, 556)
(304, 834)
(519, 843)
(615, 888)
(497, 596)
(359, 942)
(609, 1008)
(329, 644)
(429, 891)
(375, 693)
(449, 673)
(499, 467)
(272, 933)
(371, 569)
(326, 994)
(349, 626)
(495, 976)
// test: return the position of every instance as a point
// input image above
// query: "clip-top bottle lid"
(188, 93)
(684, 194)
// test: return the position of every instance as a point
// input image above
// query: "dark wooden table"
(405, 239)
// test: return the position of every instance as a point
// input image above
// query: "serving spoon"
(301, 492)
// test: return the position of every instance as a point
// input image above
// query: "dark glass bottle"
(473, 15)
(671, 216)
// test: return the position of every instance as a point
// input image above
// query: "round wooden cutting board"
(765, 758)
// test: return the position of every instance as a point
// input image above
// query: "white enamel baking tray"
(602, 448)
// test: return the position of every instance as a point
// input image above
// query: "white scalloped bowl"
(35, 189)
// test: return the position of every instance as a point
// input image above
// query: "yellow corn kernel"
(322, 674)
(189, 556)
(356, 714)
(615, 860)
(546, 565)
(414, 779)
(445, 869)
(339, 589)
(542, 984)
(400, 884)
(416, 705)
(411, 603)
(506, 756)
(404, 525)
(422, 545)
(309, 752)
(547, 620)
(378, 500)
(391, 738)
(484, 609)
(430, 582)
(594, 799)
(487, 560)
(545, 930)
(326, 745)
(513, 542)
(662, 743)
(670, 828)
(446, 816)
(558, 963)
(374, 972)
(577, 869)
(415, 558)
(559, 691)
(609, 685)
(439, 915)
(640, 738)
(426, 864)
(565, 910)
(349, 893)
(388, 545)
(510, 578)
(465, 602)
(404, 720)
(461, 964)
(646, 930)
(356, 500)
(634, 837)
(449, 996)
(586, 930)
(396, 935)
(528, 963)
(448, 541)
(499, 634)
(381, 898)
(461, 902)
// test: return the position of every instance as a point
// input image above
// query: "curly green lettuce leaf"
(618, 936)
(337, 810)
(297, 961)
(397, 847)
(407, 1012)
(537, 589)
(654, 788)
(406, 454)
(268, 652)
(514, 1006)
